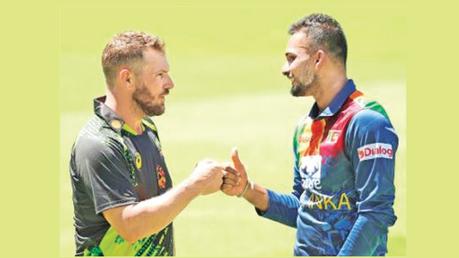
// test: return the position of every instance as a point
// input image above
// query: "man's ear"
(126, 77)
(319, 58)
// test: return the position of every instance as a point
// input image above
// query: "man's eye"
(290, 59)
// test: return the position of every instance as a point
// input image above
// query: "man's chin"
(297, 91)
(156, 111)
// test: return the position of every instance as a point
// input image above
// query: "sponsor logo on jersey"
(375, 150)
(305, 137)
(310, 170)
(303, 143)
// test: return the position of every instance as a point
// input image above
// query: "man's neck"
(125, 110)
(328, 88)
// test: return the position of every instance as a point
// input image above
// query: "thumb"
(236, 161)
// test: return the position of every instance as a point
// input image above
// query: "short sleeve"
(105, 174)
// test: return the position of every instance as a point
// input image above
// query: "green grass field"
(229, 92)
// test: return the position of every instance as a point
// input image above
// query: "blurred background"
(225, 59)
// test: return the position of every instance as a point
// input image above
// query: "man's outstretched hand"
(207, 177)
(235, 180)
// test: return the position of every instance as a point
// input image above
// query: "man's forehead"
(156, 59)
(153, 54)
(298, 42)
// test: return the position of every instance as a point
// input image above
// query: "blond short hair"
(127, 48)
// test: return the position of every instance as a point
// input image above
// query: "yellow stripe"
(128, 129)
(150, 125)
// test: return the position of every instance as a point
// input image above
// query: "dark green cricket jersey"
(110, 166)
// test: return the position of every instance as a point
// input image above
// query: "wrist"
(248, 186)
(191, 186)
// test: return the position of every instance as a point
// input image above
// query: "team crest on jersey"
(375, 150)
(332, 136)
(310, 171)
(161, 177)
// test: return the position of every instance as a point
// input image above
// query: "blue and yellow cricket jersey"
(343, 187)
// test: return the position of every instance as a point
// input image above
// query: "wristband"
(246, 187)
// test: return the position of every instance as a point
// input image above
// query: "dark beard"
(298, 90)
(304, 89)
(142, 98)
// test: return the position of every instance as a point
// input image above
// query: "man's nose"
(285, 70)
(170, 83)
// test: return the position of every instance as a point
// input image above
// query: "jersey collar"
(336, 103)
(107, 114)
(114, 121)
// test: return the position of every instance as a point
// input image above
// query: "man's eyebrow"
(290, 53)
(161, 71)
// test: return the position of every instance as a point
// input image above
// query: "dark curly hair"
(324, 32)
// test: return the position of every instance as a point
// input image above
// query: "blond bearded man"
(124, 201)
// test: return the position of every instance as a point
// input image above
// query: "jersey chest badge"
(161, 177)
(333, 136)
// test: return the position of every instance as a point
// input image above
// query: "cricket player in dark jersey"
(123, 197)
(344, 153)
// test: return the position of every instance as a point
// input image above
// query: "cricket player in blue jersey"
(344, 150)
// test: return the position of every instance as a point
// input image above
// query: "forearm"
(364, 237)
(150, 216)
(279, 207)
(257, 195)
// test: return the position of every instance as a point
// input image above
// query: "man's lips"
(166, 92)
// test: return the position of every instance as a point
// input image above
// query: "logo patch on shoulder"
(116, 124)
(375, 150)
